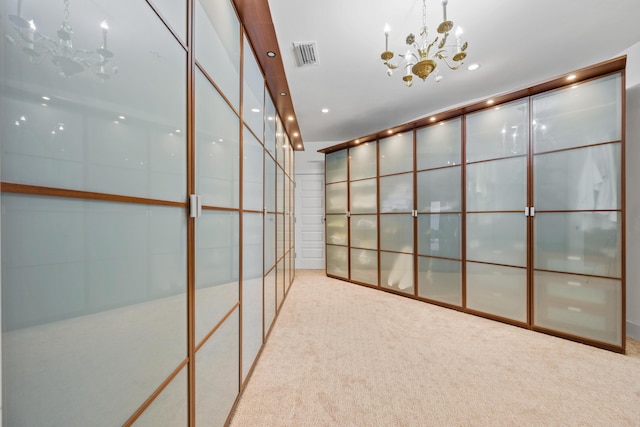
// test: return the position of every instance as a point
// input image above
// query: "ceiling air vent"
(306, 53)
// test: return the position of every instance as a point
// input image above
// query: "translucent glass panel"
(336, 198)
(364, 231)
(501, 291)
(270, 126)
(252, 173)
(121, 136)
(396, 271)
(580, 179)
(499, 132)
(584, 114)
(251, 289)
(269, 241)
(337, 261)
(440, 190)
(279, 236)
(364, 196)
(217, 268)
(83, 282)
(440, 280)
(279, 283)
(336, 166)
(588, 307)
(396, 193)
(363, 160)
(364, 266)
(497, 185)
(499, 238)
(269, 300)
(170, 407)
(217, 382)
(440, 235)
(217, 33)
(280, 190)
(269, 184)
(396, 233)
(396, 154)
(217, 148)
(253, 92)
(175, 12)
(579, 242)
(439, 145)
(337, 230)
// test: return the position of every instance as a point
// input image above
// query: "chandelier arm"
(445, 59)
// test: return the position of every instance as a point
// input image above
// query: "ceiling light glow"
(473, 67)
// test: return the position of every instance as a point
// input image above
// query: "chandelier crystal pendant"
(67, 59)
(424, 60)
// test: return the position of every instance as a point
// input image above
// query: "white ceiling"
(518, 43)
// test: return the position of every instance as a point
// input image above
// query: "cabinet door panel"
(364, 266)
(440, 280)
(497, 290)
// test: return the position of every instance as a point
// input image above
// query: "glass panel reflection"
(217, 148)
(111, 277)
(364, 266)
(396, 154)
(499, 238)
(253, 92)
(217, 366)
(396, 271)
(498, 132)
(440, 190)
(251, 289)
(336, 166)
(440, 280)
(217, 33)
(363, 161)
(336, 198)
(439, 235)
(337, 261)
(497, 290)
(175, 12)
(439, 145)
(364, 196)
(396, 233)
(252, 173)
(588, 307)
(170, 407)
(580, 179)
(364, 231)
(217, 268)
(498, 185)
(579, 242)
(561, 118)
(396, 193)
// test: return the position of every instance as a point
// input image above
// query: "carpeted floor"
(345, 355)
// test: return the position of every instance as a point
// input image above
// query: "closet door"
(577, 146)
(439, 199)
(336, 208)
(363, 208)
(496, 225)
(396, 213)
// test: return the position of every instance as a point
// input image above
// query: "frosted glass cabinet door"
(363, 160)
(581, 179)
(396, 271)
(336, 166)
(440, 280)
(497, 185)
(497, 290)
(337, 231)
(439, 235)
(253, 92)
(338, 261)
(252, 173)
(364, 231)
(499, 238)
(499, 132)
(364, 266)
(560, 119)
(336, 198)
(396, 154)
(396, 233)
(439, 145)
(364, 196)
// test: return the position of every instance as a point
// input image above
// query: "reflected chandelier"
(67, 59)
(424, 60)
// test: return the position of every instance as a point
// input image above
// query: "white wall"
(633, 196)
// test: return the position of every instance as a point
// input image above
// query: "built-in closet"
(512, 209)
(147, 211)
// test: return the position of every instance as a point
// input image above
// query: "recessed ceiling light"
(490, 102)
(46, 98)
(571, 77)
(473, 67)
(299, 145)
(255, 110)
(357, 141)
(283, 93)
(121, 117)
(325, 110)
(296, 134)
(271, 54)
(290, 118)
(389, 131)
(433, 119)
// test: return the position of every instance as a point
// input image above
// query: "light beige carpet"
(345, 355)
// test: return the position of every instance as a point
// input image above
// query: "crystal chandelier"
(424, 60)
(67, 59)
